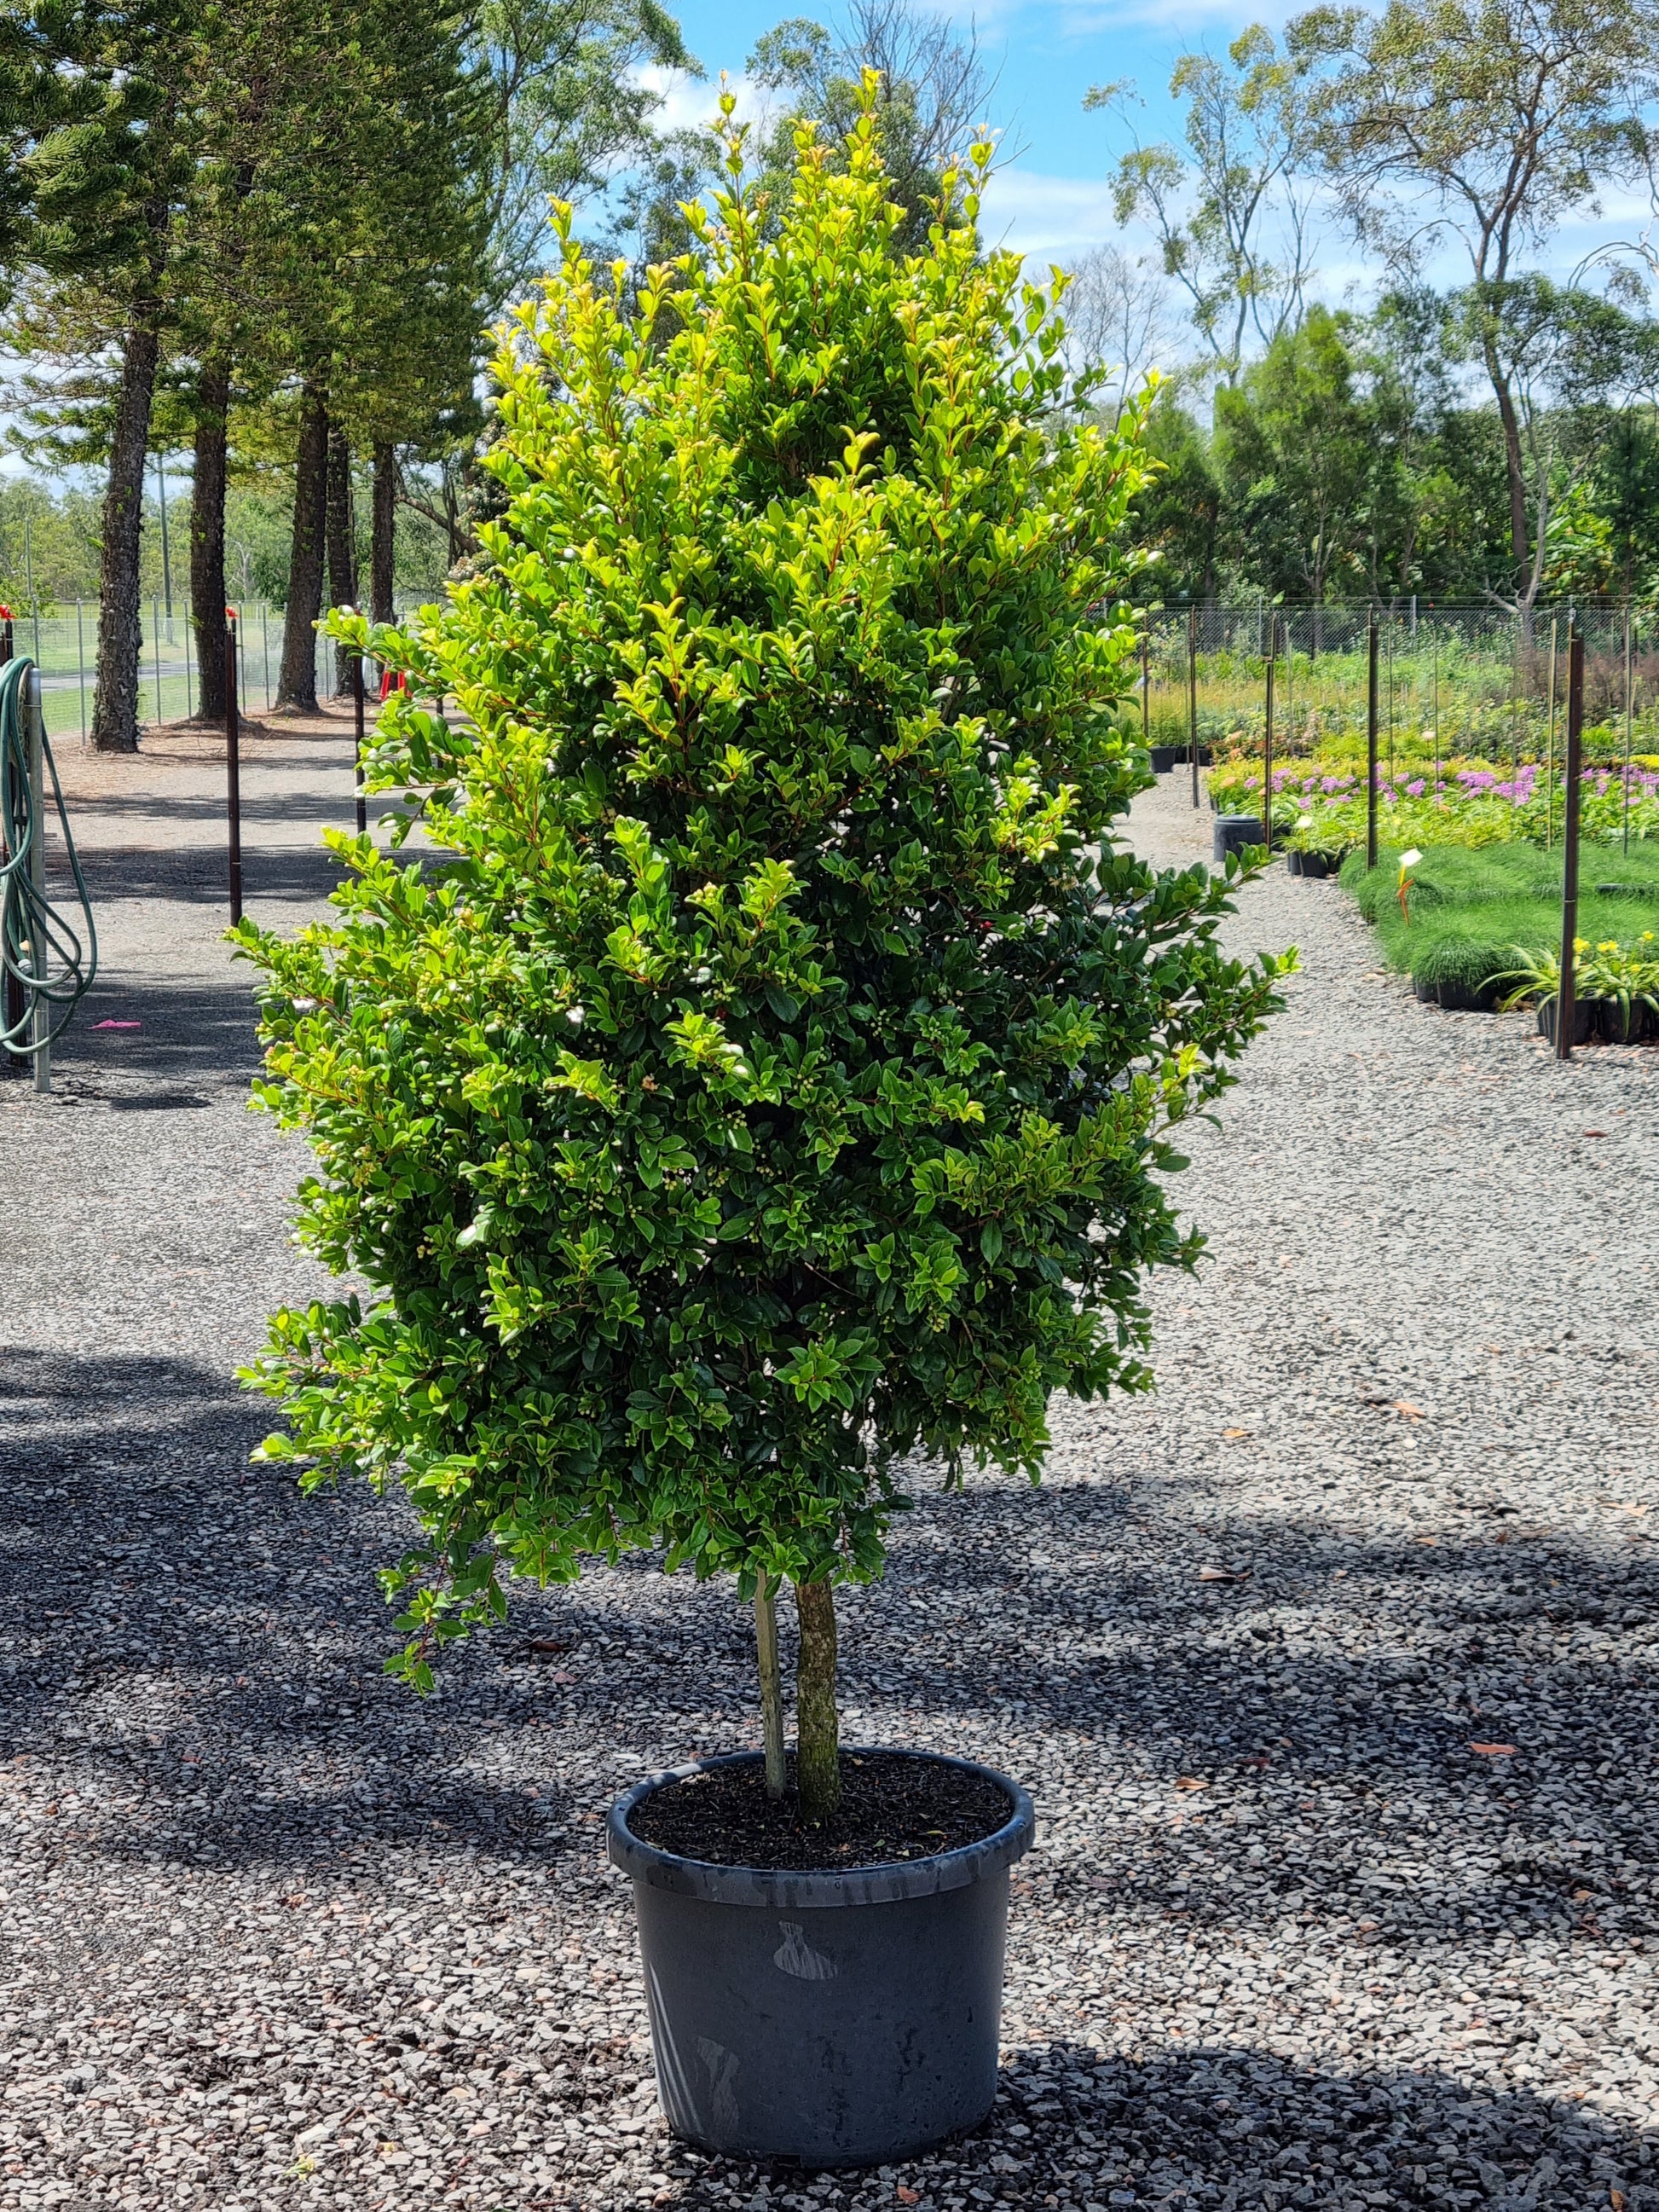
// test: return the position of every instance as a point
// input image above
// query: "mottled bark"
(341, 548)
(120, 614)
(208, 591)
(818, 1728)
(296, 686)
(381, 534)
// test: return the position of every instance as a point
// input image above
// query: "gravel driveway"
(1332, 1667)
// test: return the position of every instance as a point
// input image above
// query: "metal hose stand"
(47, 967)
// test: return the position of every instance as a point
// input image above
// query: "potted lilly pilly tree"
(770, 1077)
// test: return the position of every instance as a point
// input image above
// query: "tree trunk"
(342, 547)
(817, 1729)
(771, 1686)
(1515, 471)
(296, 687)
(208, 591)
(120, 613)
(382, 528)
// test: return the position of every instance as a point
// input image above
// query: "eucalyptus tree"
(571, 92)
(1232, 213)
(1485, 123)
(934, 89)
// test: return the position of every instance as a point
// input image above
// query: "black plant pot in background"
(1164, 758)
(1294, 862)
(1584, 1013)
(1233, 832)
(1619, 1027)
(1458, 998)
(842, 2018)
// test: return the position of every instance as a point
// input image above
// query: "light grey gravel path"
(272, 1935)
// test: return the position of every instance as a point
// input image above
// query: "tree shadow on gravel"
(1225, 2127)
(1323, 1713)
(197, 1628)
(199, 877)
(194, 1648)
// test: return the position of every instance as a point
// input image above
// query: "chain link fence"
(1477, 681)
(63, 645)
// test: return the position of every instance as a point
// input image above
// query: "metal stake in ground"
(233, 768)
(1192, 694)
(1370, 742)
(1267, 737)
(357, 748)
(1564, 994)
(1146, 684)
(1549, 758)
(1630, 701)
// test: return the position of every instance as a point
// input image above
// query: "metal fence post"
(233, 771)
(1630, 698)
(1267, 735)
(1192, 693)
(80, 663)
(1565, 1000)
(357, 748)
(1370, 742)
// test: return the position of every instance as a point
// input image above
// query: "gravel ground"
(274, 1934)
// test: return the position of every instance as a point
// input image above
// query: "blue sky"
(1054, 199)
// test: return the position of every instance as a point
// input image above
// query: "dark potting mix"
(892, 1808)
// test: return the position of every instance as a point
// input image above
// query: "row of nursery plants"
(1321, 806)
(1470, 680)
(1481, 927)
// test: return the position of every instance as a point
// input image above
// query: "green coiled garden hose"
(46, 967)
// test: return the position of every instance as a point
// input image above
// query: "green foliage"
(929, 98)
(777, 1077)
(1492, 917)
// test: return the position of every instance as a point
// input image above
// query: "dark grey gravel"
(275, 1935)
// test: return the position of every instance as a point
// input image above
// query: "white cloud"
(690, 103)
(1049, 218)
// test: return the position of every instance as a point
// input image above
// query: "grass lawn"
(1470, 912)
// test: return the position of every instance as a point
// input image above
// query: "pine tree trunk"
(342, 547)
(120, 612)
(208, 592)
(296, 687)
(381, 535)
(817, 1728)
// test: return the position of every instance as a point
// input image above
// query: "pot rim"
(809, 1887)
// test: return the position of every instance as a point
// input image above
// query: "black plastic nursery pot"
(1165, 759)
(1453, 997)
(1618, 1025)
(846, 2017)
(1233, 832)
(1584, 1018)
